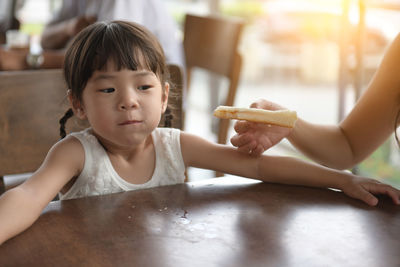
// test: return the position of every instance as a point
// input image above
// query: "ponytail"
(63, 120)
(395, 128)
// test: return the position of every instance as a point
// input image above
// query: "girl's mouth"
(129, 122)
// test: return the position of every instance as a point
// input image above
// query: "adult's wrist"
(292, 136)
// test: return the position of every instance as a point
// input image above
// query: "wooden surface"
(219, 222)
(31, 104)
(175, 96)
(211, 43)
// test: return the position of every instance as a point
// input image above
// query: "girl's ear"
(76, 106)
(165, 97)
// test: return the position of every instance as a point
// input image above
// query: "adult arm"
(369, 124)
(341, 146)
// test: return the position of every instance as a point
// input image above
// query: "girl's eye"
(107, 90)
(144, 87)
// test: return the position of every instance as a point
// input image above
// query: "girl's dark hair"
(128, 44)
(63, 120)
(395, 128)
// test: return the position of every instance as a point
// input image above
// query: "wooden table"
(15, 59)
(219, 222)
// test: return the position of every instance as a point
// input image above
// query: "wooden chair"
(31, 104)
(211, 43)
(175, 96)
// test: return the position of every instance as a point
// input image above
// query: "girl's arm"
(21, 206)
(200, 153)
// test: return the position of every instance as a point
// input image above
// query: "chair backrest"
(211, 43)
(31, 104)
(175, 96)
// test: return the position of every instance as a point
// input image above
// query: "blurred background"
(312, 56)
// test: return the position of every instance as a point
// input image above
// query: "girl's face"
(123, 107)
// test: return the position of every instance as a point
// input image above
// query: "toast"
(284, 118)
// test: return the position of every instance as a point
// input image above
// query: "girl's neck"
(135, 165)
(127, 153)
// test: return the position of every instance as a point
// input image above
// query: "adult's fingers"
(247, 148)
(257, 151)
(265, 104)
(241, 126)
(255, 105)
(240, 139)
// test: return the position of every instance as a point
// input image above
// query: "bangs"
(126, 51)
(127, 45)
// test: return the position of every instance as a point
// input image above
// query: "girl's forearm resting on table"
(289, 170)
(18, 211)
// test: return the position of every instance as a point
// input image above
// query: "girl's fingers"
(362, 192)
(394, 196)
(368, 190)
(367, 197)
(384, 189)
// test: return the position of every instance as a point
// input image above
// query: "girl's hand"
(254, 138)
(364, 189)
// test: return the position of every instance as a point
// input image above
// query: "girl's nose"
(128, 100)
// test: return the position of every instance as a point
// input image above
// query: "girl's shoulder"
(70, 145)
(64, 161)
(68, 150)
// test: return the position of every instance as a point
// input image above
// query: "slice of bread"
(284, 118)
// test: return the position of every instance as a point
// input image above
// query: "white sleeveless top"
(98, 176)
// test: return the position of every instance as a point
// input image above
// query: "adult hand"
(254, 138)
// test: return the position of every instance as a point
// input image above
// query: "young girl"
(117, 77)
